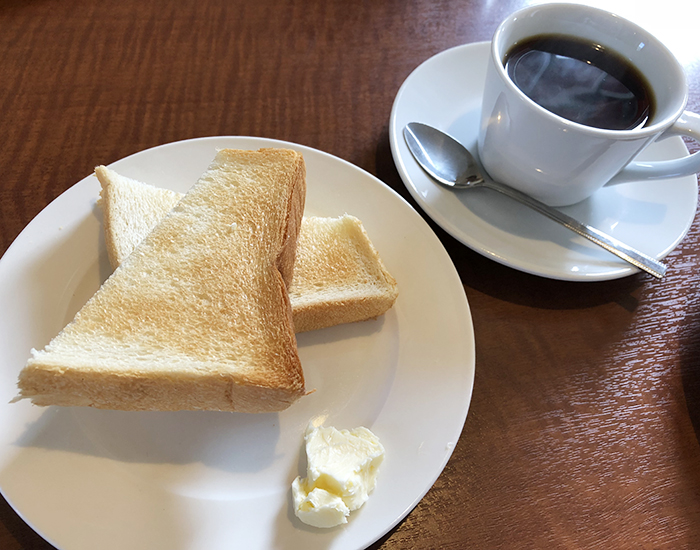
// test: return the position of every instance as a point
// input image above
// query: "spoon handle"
(611, 244)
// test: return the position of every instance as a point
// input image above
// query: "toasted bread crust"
(47, 385)
(198, 316)
(292, 227)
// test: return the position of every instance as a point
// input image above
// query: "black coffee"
(581, 81)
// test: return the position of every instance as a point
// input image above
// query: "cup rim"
(644, 131)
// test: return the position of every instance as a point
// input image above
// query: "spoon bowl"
(445, 159)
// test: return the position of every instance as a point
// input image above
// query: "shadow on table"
(690, 369)
(24, 535)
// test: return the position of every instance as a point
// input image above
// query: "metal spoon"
(451, 164)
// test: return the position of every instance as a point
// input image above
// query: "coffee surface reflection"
(581, 81)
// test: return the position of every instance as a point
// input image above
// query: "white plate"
(445, 92)
(88, 479)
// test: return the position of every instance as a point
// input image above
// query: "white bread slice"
(130, 212)
(339, 276)
(198, 316)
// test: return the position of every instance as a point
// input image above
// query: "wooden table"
(583, 427)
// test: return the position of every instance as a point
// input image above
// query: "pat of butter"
(341, 472)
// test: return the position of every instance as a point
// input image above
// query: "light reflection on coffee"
(581, 81)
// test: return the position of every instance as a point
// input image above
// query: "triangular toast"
(198, 316)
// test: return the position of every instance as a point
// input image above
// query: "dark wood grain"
(583, 428)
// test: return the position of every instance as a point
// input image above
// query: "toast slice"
(338, 276)
(198, 316)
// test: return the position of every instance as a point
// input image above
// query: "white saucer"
(445, 92)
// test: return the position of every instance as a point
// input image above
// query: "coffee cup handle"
(687, 125)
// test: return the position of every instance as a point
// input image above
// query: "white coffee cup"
(561, 162)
